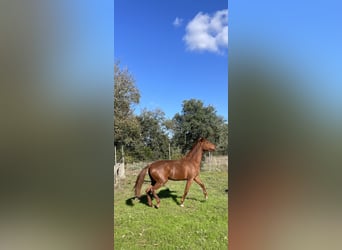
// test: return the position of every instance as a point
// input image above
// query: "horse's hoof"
(206, 197)
(182, 205)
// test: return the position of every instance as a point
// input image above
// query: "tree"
(153, 136)
(196, 120)
(222, 143)
(126, 96)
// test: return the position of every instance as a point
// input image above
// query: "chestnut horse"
(187, 168)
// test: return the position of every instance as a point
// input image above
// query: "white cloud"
(177, 22)
(208, 33)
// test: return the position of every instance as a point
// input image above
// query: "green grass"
(199, 225)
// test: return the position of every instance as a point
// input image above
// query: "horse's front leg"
(187, 187)
(199, 182)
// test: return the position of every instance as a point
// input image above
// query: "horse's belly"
(173, 178)
(178, 175)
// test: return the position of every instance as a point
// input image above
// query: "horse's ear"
(201, 139)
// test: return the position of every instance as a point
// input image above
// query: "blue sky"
(176, 50)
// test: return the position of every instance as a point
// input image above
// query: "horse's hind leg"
(149, 190)
(149, 200)
(154, 189)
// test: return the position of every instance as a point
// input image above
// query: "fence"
(119, 168)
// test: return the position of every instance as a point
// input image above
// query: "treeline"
(150, 135)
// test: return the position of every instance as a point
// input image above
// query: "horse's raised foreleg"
(186, 190)
(199, 182)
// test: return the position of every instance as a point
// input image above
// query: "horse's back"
(172, 169)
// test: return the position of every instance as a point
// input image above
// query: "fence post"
(122, 167)
(119, 168)
(169, 151)
(122, 154)
(210, 166)
(114, 155)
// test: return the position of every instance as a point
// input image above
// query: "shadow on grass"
(195, 199)
(165, 193)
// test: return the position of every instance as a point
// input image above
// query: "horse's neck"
(195, 155)
(193, 151)
(197, 158)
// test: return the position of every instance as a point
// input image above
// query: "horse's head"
(207, 145)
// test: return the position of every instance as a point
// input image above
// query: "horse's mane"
(193, 150)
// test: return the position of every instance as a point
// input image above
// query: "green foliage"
(126, 95)
(176, 153)
(153, 136)
(222, 143)
(197, 120)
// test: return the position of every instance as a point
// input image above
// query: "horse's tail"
(139, 181)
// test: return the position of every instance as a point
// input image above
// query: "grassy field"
(199, 225)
